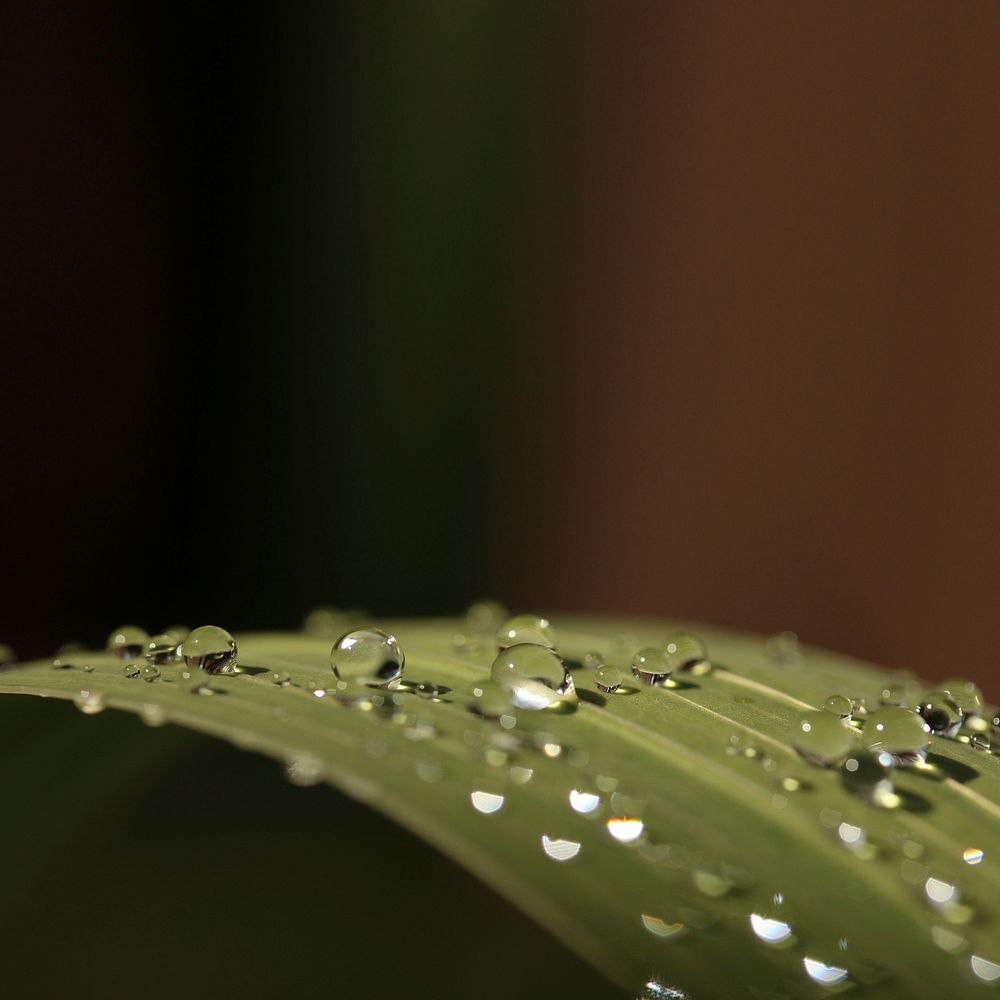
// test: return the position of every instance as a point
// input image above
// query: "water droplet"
(593, 661)
(899, 731)
(524, 630)
(660, 928)
(940, 893)
(148, 672)
(966, 695)
(490, 700)
(368, 656)
(651, 666)
(328, 623)
(867, 775)
(980, 742)
(654, 990)
(624, 829)
(304, 770)
(608, 679)
(822, 738)
(903, 691)
(128, 642)
(839, 705)
(177, 632)
(486, 802)
(211, 649)
(984, 969)
(941, 714)
(486, 616)
(825, 975)
(784, 648)
(560, 850)
(89, 702)
(161, 649)
(850, 834)
(536, 677)
(973, 855)
(202, 689)
(153, 715)
(583, 802)
(770, 930)
(280, 678)
(132, 670)
(684, 651)
(521, 775)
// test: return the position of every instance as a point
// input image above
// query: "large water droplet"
(651, 666)
(161, 649)
(903, 691)
(211, 649)
(128, 642)
(686, 651)
(898, 731)
(608, 679)
(941, 714)
(839, 705)
(368, 656)
(526, 629)
(486, 616)
(536, 677)
(822, 738)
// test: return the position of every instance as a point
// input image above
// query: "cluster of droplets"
(208, 648)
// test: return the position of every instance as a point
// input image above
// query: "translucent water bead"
(128, 642)
(211, 649)
(523, 629)
(899, 732)
(536, 677)
(822, 738)
(368, 656)
(685, 651)
(651, 666)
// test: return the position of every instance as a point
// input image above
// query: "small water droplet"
(980, 742)
(202, 689)
(592, 661)
(940, 893)
(903, 691)
(128, 642)
(153, 715)
(584, 802)
(898, 731)
(536, 677)
(684, 651)
(966, 695)
(89, 702)
(867, 775)
(942, 715)
(486, 616)
(280, 678)
(822, 738)
(161, 649)
(608, 679)
(304, 770)
(131, 670)
(149, 673)
(211, 649)
(825, 975)
(526, 630)
(560, 850)
(177, 632)
(486, 802)
(328, 623)
(651, 666)
(973, 855)
(839, 705)
(624, 829)
(370, 657)
(521, 775)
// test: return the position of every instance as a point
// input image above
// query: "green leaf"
(733, 822)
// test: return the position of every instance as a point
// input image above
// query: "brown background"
(777, 405)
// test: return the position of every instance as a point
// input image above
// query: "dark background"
(680, 309)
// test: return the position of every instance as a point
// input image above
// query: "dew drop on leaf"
(684, 651)
(822, 738)
(593, 661)
(536, 677)
(131, 670)
(486, 615)
(941, 714)
(868, 775)
(608, 679)
(368, 656)
(161, 649)
(651, 666)
(783, 648)
(211, 649)
(526, 629)
(839, 705)
(966, 695)
(486, 802)
(128, 642)
(898, 731)
(89, 702)
(149, 672)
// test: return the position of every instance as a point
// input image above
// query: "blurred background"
(681, 309)
(678, 309)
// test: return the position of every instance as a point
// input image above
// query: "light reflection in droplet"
(825, 975)
(851, 834)
(486, 802)
(584, 802)
(770, 930)
(940, 892)
(973, 855)
(560, 850)
(660, 928)
(625, 830)
(984, 969)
